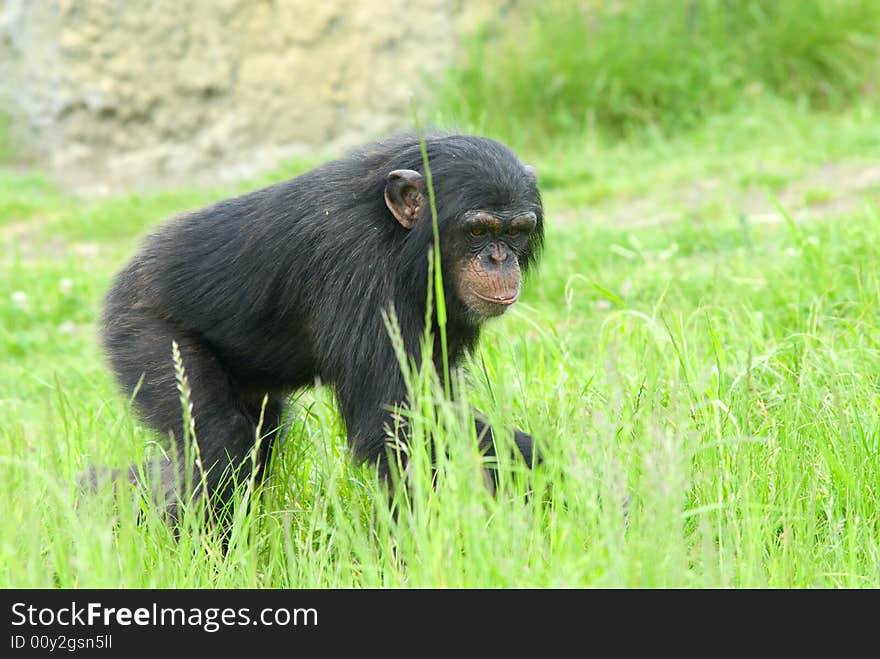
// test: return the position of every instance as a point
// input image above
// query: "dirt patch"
(831, 189)
(31, 240)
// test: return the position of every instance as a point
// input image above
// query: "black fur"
(266, 292)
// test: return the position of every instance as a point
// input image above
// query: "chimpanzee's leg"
(140, 347)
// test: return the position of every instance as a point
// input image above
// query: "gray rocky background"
(138, 92)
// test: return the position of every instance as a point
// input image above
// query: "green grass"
(763, 148)
(707, 395)
(561, 68)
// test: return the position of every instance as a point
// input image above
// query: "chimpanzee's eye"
(513, 233)
(476, 232)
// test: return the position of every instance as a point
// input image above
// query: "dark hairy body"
(270, 291)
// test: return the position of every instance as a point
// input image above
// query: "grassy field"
(558, 67)
(707, 391)
(698, 354)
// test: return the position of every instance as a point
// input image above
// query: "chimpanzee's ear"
(533, 175)
(405, 195)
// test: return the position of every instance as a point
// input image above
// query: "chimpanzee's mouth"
(503, 299)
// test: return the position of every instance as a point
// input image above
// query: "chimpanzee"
(269, 291)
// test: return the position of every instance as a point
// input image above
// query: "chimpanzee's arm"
(522, 440)
(367, 407)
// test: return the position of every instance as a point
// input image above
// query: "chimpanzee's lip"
(506, 300)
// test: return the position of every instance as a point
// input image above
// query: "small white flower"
(791, 251)
(20, 299)
(603, 305)
(67, 327)
(66, 286)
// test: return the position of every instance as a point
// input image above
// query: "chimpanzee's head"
(490, 217)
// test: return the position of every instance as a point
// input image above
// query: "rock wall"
(128, 91)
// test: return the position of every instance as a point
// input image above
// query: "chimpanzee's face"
(491, 231)
(487, 251)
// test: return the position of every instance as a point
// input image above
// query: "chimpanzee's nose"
(498, 255)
